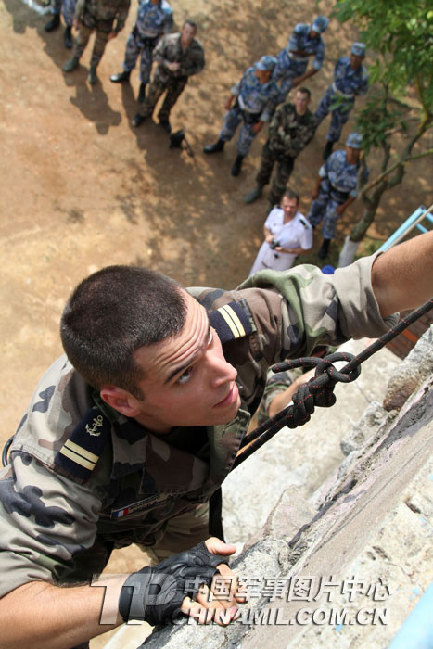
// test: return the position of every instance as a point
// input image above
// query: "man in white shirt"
(287, 235)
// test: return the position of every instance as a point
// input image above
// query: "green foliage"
(401, 33)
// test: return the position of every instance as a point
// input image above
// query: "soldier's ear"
(120, 399)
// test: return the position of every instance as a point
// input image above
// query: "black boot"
(141, 93)
(214, 148)
(328, 150)
(324, 249)
(67, 38)
(120, 76)
(138, 119)
(237, 165)
(53, 23)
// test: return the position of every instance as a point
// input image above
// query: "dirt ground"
(82, 188)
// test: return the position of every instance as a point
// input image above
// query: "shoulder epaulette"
(304, 222)
(82, 450)
(233, 320)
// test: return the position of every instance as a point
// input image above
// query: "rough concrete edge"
(279, 556)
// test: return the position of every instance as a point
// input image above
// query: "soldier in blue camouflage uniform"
(256, 98)
(336, 188)
(291, 129)
(350, 79)
(67, 8)
(104, 17)
(144, 430)
(179, 56)
(292, 62)
(154, 18)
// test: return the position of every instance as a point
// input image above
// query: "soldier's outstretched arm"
(52, 617)
(402, 278)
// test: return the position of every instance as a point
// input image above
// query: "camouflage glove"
(155, 593)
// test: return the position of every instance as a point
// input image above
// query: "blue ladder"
(414, 221)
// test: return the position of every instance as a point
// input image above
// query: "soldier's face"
(301, 102)
(264, 76)
(356, 61)
(188, 33)
(188, 382)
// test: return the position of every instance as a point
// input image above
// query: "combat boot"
(141, 93)
(91, 77)
(165, 124)
(214, 148)
(67, 38)
(71, 64)
(254, 195)
(138, 119)
(53, 23)
(328, 149)
(120, 77)
(324, 249)
(237, 165)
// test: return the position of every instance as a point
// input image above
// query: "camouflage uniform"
(98, 16)
(339, 182)
(289, 65)
(275, 384)
(169, 50)
(67, 7)
(152, 21)
(347, 84)
(289, 133)
(82, 479)
(255, 102)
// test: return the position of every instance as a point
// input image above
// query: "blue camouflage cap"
(358, 49)
(266, 63)
(354, 140)
(319, 24)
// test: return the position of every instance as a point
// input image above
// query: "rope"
(319, 391)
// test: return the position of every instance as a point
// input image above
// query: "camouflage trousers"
(137, 45)
(325, 207)
(282, 172)
(67, 7)
(232, 119)
(90, 25)
(173, 89)
(340, 114)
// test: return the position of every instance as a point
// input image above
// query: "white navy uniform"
(296, 233)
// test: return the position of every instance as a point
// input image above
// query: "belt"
(340, 94)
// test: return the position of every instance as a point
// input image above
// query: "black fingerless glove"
(155, 593)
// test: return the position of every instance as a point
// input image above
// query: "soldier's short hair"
(290, 193)
(114, 312)
(191, 23)
(305, 91)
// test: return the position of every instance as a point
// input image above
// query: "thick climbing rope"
(319, 391)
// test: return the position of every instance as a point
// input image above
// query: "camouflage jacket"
(169, 50)
(80, 474)
(104, 10)
(290, 132)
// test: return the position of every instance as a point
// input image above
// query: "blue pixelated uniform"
(347, 84)
(339, 181)
(255, 102)
(289, 65)
(152, 21)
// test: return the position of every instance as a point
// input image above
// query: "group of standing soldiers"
(253, 101)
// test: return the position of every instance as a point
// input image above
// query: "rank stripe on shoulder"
(79, 454)
(232, 320)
